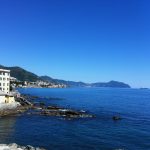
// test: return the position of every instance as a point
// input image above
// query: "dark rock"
(28, 147)
(53, 107)
(115, 118)
(40, 108)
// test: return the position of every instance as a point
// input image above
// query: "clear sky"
(80, 40)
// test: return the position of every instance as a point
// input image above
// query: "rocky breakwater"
(40, 108)
(18, 147)
(64, 112)
(57, 111)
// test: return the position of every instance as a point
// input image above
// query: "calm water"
(100, 133)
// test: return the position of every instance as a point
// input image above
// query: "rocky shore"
(60, 112)
(14, 146)
(28, 107)
(14, 112)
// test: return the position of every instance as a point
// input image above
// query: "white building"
(5, 80)
(2, 97)
(5, 98)
(7, 101)
(13, 79)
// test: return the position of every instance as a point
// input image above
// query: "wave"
(14, 146)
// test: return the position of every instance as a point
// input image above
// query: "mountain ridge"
(24, 75)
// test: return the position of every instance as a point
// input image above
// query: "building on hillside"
(5, 80)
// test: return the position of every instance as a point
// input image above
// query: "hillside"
(68, 83)
(114, 84)
(24, 75)
(21, 74)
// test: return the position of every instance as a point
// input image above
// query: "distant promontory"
(24, 75)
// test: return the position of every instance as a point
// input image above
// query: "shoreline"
(28, 107)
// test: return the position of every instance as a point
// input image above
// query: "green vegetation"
(23, 75)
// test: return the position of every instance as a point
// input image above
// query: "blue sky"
(80, 40)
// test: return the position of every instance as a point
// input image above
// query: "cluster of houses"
(6, 97)
(38, 84)
(44, 84)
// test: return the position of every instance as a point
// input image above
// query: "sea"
(132, 132)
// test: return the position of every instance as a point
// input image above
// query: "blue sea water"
(100, 133)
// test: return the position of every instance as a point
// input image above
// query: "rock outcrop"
(14, 146)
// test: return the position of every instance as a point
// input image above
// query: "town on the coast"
(14, 103)
(15, 83)
(9, 84)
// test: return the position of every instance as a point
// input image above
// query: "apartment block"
(5, 81)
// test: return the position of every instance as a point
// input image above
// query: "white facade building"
(7, 101)
(5, 80)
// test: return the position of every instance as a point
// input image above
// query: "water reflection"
(7, 128)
